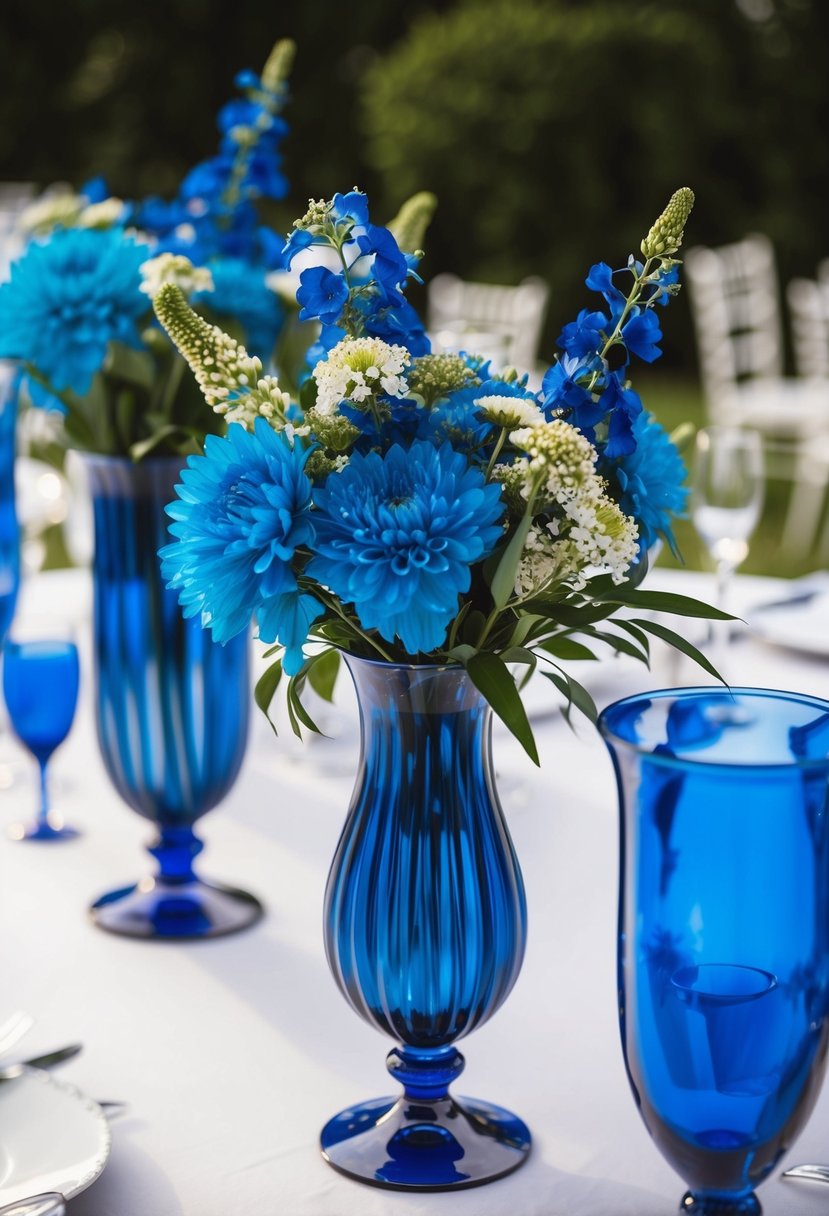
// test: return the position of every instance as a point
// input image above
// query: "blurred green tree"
(552, 130)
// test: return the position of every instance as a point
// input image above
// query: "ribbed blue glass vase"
(9, 533)
(425, 926)
(723, 927)
(171, 707)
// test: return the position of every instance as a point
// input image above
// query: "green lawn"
(674, 401)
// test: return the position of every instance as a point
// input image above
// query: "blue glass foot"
(425, 1140)
(720, 1205)
(51, 828)
(176, 911)
(435, 1146)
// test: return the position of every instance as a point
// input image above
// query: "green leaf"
(170, 434)
(308, 394)
(297, 713)
(635, 632)
(491, 677)
(524, 626)
(322, 673)
(266, 686)
(566, 648)
(680, 643)
(665, 601)
(134, 366)
(462, 653)
(575, 693)
(621, 644)
(574, 616)
(503, 581)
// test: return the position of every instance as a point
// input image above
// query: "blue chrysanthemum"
(68, 298)
(244, 510)
(651, 480)
(240, 291)
(396, 536)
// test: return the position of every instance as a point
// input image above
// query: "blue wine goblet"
(40, 685)
(723, 927)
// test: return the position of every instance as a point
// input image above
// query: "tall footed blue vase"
(171, 708)
(425, 926)
(9, 533)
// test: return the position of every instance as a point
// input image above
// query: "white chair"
(735, 304)
(503, 323)
(808, 302)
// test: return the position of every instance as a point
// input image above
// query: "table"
(232, 1054)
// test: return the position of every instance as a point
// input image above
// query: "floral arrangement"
(78, 308)
(428, 508)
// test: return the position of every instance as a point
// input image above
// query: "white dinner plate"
(52, 1138)
(802, 624)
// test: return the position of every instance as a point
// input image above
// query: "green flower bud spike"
(665, 237)
(278, 67)
(220, 364)
(409, 225)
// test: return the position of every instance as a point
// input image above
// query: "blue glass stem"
(175, 851)
(43, 813)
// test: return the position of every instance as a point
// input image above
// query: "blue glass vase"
(9, 532)
(723, 927)
(171, 707)
(425, 926)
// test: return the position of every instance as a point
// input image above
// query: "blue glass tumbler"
(723, 927)
(171, 708)
(425, 926)
(9, 532)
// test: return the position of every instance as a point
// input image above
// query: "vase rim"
(390, 663)
(103, 459)
(712, 691)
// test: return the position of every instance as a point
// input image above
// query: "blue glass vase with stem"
(171, 707)
(9, 531)
(723, 960)
(425, 927)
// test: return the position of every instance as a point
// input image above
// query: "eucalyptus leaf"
(492, 678)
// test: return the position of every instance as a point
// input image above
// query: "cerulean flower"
(321, 294)
(244, 510)
(651, 481)
(396, 536)
(562, 395)
(585, 335)
(68, 298)
(241, 292)
(600, 279)
(641, 334)
(624, 406)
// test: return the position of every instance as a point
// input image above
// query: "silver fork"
(808, 1173)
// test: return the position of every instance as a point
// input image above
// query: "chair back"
(808, 302)
(510, 318)
(735, 305)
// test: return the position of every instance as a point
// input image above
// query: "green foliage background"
(551, 130)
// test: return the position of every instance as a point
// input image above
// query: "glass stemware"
(723, 927)
(727, 490)
(40, 685)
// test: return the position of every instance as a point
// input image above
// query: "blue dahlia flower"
(244, 510)
(651, 481)
(68, 298)
(241, 292)
(396, 536)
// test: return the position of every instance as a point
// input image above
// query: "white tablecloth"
(232, 1054)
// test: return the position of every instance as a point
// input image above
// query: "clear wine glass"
(40, 685)
(727, 490)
